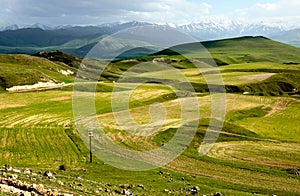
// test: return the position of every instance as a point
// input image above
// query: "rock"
(80, 184)
(48, 174)
(13, 176)
(182, 178)
(8, 167)
(123, 186)
(79, 178)
(49, 191)
(63, 167)
(40, 189)
(33, 194)
(126, 192)
(32, 187)
(197, 188)
(4, 175)
(118, 192)
(27, 171)
(107, 190)
(16, 170)
(293, 171)
(194, 190)
(218, 194)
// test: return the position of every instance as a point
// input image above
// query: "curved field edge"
(38, 132)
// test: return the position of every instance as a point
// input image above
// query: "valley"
(257, 151)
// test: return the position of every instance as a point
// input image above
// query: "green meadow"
(258, 143)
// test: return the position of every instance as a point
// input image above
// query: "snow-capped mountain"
(34, 26)
(219, 29)
(207, 28)
(39, 26)
(10, 27)
(16, 38)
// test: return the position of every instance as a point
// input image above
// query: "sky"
(96, 12)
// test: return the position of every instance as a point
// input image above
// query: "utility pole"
(91, 153)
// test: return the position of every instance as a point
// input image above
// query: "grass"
(38, 122)
(283, 124)
(259, 153)
(258, 142)
(21, 69)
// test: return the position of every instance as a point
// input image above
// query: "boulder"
(13, 176)
(16, 170)
(218, 194)
(194, 190)
(126, 192)
(8, 167)
(27, 171)
(48, 174)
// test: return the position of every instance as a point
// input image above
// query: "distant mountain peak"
(78, 39)
(39, 26)
(10, 27)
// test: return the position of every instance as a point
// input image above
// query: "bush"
(63, 167)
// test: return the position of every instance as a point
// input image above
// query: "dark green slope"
(242, 50)
(254, 49)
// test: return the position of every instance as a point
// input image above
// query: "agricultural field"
(257, 151)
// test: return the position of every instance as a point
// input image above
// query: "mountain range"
(78, 40)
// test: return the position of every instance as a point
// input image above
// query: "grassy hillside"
(255, 153)
(37, 131)
(242, 50)
(23, 69)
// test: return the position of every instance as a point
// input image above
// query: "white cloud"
(57, 12)
(99, 11)
(282, 11)
(267, 6)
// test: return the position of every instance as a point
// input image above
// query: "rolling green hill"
(257, 151)
(242, 50)
(21, 69)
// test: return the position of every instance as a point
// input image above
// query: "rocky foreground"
(10, 184)
(25, 182)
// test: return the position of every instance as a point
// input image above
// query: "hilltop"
(243, 50)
